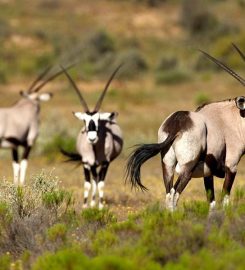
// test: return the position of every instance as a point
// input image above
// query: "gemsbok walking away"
(19, 124)
(99, 142)
(205, 143)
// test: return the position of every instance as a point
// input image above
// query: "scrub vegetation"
(42, 228)
(43, 225)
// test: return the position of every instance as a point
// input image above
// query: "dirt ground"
(119, 196)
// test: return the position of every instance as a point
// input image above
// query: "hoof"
(92, 204)
(226, 201)
(101, 206)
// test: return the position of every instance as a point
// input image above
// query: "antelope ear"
(45, 96)
(23, 93)
(79, 115)
(240, 103)
(108, 116)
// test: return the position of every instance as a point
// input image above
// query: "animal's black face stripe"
(91, 126)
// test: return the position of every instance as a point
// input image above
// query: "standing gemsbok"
(205, 143)
(19, 124)
(99, 142)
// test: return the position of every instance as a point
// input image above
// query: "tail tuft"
(140, 155)
(73, 157)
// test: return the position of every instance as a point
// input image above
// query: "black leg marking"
(209, 187)
(102, 175)
(103, 171)
(229, 179)
(15, 155)
(26, 152)
(94, 184)
(86, 174)
(94, 173)
(182, 181)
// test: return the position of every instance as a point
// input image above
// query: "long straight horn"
(227, 69)
(38, 79)
(52, 78)
(83, 102)
(99, 102)
(239, 51)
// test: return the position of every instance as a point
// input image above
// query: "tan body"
(212, 135)
(99, 142)
(19, 123)
(107, 148)
(19, 127)
(205, 143)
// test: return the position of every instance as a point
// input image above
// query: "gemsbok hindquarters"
(99, 142)
(19, 124)
(205, 143)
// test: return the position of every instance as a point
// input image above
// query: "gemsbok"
(205, 143)
(99, 142)
(19, 124)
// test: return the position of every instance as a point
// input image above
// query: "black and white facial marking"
(240, 103)
(92, 123)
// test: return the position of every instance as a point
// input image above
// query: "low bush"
(102, 217)
(201, 98)
(134, 63)
(172, 77)
(27, 212)
(166, 63)
(71, 259)
(57, 232)
(5, 262)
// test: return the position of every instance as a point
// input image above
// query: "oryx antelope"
(99, 142)
(205, 143)
(19, 124)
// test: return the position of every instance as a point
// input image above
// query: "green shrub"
(56, 232)
(206, 259)
(57, 198)
(166, 63)
(71, 259)
(103, 216)
(5, 214)
(171, 77)
(52, 146)
(5, 29)
(104, 240)
(201, 98)
(196, 209)
(5, 262)
(134, 63)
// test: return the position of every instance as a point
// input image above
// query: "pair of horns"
(225, 67)
(35, 88)
(82, 100)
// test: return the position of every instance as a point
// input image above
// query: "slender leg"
(87, 185)
(94, 185)
(23, 164)
(16, 166)
(229, 179)
(168, 163)
(168, 175)
(209, 187)
(101, 183)
(180, 185)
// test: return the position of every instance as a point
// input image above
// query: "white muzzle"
(92, 136)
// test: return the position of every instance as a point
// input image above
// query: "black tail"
(73, 157)
(140, 155)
